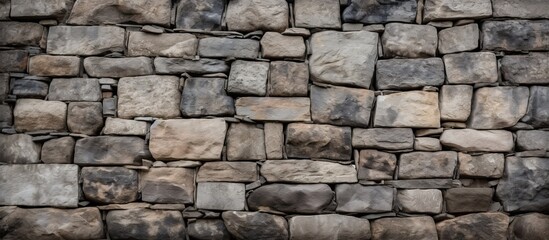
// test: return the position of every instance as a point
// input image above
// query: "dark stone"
(427, 165)
(206, 229)
(465, 200)
(538, 110)
(341, 105)
(532, 226)
(288, 198)
(85, 117)
(318, 141)
(515, 35)
(24, 88)
(288, 79)
(4, 82)
(179, 65)
(75, 89)
(329, 226)
(20, 33)
(206, 97)
(255, 225)
(200, 14)
(14, 61)
(376, 165)
(228, 47)
(532, 140)
(424, 183)
(168, 185)
(384, 138)
(355, 198)
(409, 73)
(105, 11)
(368, 12)
(41, 9)
(6, 115)
(18, 149)
(108, 150)
(476, 226)
(109, 184)
(526, 69)
(521, 8)
(145, 224)
(404, 228)
(60, 150)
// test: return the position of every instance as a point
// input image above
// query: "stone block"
(200, 14)
(509, 35)
(355, 198)
(245, 142)
(98, 185)
(275, 45)
(458, 39)
(109, 150)
(85, 40)
(498, 107)
(59, 150)
(317, 14)
(303, 141)
(470, 140)
(97, 12)
(383, 138)
(489, 165)
(291, 198)
(85, 117)
(278, 109)
(18, 149)
(216, 47)
(266, 15)
(255, 225)
(206, 97)
(228, 172)
(34, 115)
(118, 67)
(307, 171)
(168, 185)
(75, 89)
(409, 73)
(420, 201)
(415, 109)
(455, 102)
(471, 68)
(54, 66)
(288, 79)
(427, 165)
(141, 223)
(369, 12)
(233, 196)
(436, 10)
(248, 78)
(328, 226)
(375, 165)
(409, 41)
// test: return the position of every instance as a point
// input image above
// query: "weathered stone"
(14, 61)
(369, 12)
(255, 225)
(288, 79)
(509, 35)
(24, 88)
(375, 165)
(53, 185)
(108, 150)
(245, 142)
(276, 45)
(520, 9)
(409, 41)
(75, 89)
(165, 45)
(318, 141)
(179, 65)
(4, 82)
(274, 140)
(455, 102)
(329, 227)
(538, 109)
(33, 115)
(54, 66)
(404, 228)
(533, 140)
(206, 97)
(288, 198)
(415, 109)
(59, 150)
(98, 185)
(248, 78)
(233, 196)
(85, 117)
(51, 223)
(143, 223)
(20, 34)
(266, 15)
(427, 165)
(465, 200)
(341, 106)
(200, 14)
(18, 149)
(317, 14)
(384, 138)
(409, 73)
(118, 126)
(498, 107)
(5, 7)
(193, 139)
(531, 226)
(355, 198)
(217, 47)
(470, 68)
(525, 185)
(85, 40)
(118, 67)
(343, 58)
(149, 96)
(423, 183)
(475, 226)
(436, 10)
(6, 116)
(420, 201)
(470, 140)
(227, 172)
(168, 185)
(481, 166)
(427, 144)
(96, 12)
(206, 229)
(526, 69)
(29, 9)
(458, 39)
(274, 108)
(307, 171)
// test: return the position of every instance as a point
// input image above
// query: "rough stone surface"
(248, 78)
(526, 69)
(498, 107)
(341, 105)
(276, 45)
(383, 138)
(255, 225)
(18, 149)
(436, 10)
(109, 150)
(179, 65)
(33, 115)
(317, 14)
(363, 199)
(274, 109)
(98, 185)
(205, 229)
(475, 226)
(329, 226)
(118, 67)
(75, 89)
(307, 171)
(165, 45)
(420, 201)
(54, 66)
(465, 200)
(404, 228)
(118, 126)
(532, 140)
(111, 11)
(509, 35)
(85, 117)
(29, 9)
(369, 12)
(471, 68)
(227, 172)
(85, 40)
(470, 140)
(409, 41)
(376, 165)
(206, 97)
(458, 39)
(318, 141)
(409, 73)
(529, 226)
(487, 165)
(538, 109)
(6, 116)
(233, 196)
(14, 60)
(200, 14)
(216, 47)
(168, 185)
(288, 79)
(427, 144)
(455, 102)
(274, 140)
(245, 142)
(140, 223)
(427, 165)
(302, 198)
(520, 9)
(20, 33)
(23, 88)
(59, 150)
(416, 109)
(266, 15)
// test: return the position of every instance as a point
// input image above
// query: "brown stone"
(384, 138)
(474, 227)
(274, 108)
(33, 115)
(276, 45)
(427, 165)
(341, 106)
(85, 40)
(98, 185)
(307, 171)
(318, 141)
(118, 67)
(266, 15)
(227, 172)
(54, 66)
(274, 140)
(470, 140)
(481, 166)
(255, 225)
(317, 14)
(409, 41)
(245, 142)
(60, 150)
(142, 223)
(420, 201)
(465, 200)
(404, 228)
(109, 150)
(498, 107)
(97, 12)
(168, 185)
(85, 117)
(288, 79)
(164, 45)
(376, 165)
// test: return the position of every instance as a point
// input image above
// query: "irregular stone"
(420, 201)
(383, 138)
(245, 142)
(274, 140)
(509, 35)
(233, 196)
(18, 149)
(248, 78)
(54, 66)
(307, 171)
(85, 117)
(97, 12)
(369, 12)
(200, 14)
(343, 58)
(274, 108)
(118, 126)
(98, 185)
(498, 107)
(59, 150)
(409, 41)
(355, 198)
(481, 166)
(435, 10)
(227, 172)
(149, 96)
(533, 140)
(404, 228)
(423, 183)
(85, 40)
(474, 226)
(520, 9)
(415, 109)
(409, 73)
(288, 79)
(276, 45)
(24, 88)
(455, 102)
(34, 115)
(341, 106)
(143, 223)
(529, 226)
(217, 47)
(206, 97)
(427, 165)
(329, 226)
(21, 33)
(118, 67)
(465, 200)
(193, 139)
(35, 185)
(14, 61)
(524, 186)
(318, 141)
(75, 89)
(470, 140)
(427, 144)
(458, 39)
(28, 9)
(108, 150)
(538, 110)
(248, 16)
(30, 223)
(288, 198)
(255, 225)
(526, 69)
(168, 185)
(317, 14)
(179, 65)
(471, 68)
(375, 165)
(206, 229)
(166, 45)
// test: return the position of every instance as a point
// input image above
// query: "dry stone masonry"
(274, 119)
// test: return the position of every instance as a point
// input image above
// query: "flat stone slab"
(329, 226)
(233, 196)
(470, 140)
(228, 172)
(526, 69)
(466, 200)
(369, 12)
(54, 66)
(498, 107)
(216, 47)
(415, 109)
(520, 9)
(436, 10)
(409, 73)
(471, 226)
(142, 223)
(291, 198)
(355, 198)
(383, 138)
(288, 79)
(307, 171)
(85, 40)
(109, 150)
(118, 67)
(302, 141)
(119, 126)
(75, 89)
(179, 65)
(427, 165)
(108, 11)
(275, 108)
(168, 185)
(255, 225)
(29, 9)
(173, 45)
(506, 35)
(404, 228)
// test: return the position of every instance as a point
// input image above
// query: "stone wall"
(274, 119)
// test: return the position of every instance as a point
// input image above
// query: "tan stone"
(95, 12)
(317, 14)
(275, 108)
(470, 140)
(118, 67)
(450, 9)
(85, 40)
(276, 45)
(307, 171)
(227, 172)
(168, 185)
(118, 126)
(498, 107)
(54, 66)
(33, 115)
(251, 15)
(489, 165)
(165, 45)
(415, 109)
(245, 142)
(318, 141)
(274, 140)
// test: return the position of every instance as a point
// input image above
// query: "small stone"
(199, 14)
(489, 165)
(245, 142)
(75, 89)
(420, 201)
(526, 69)
(228, 172)
(509, 35)
(369, 12)
(458, 39)
(54, 66)
(149, 96)
(233, 196)
(470, 140)
(471, 68)
(20, 33)
(329, 226)
(107, 150)
(538, 111)
(409, 73)
(355, 198)
(152, 29)
(18, 149)
(404, 228)
(165, 45)
(520, 9)
(118, 67)
(33, 115)
(255, 225)
(384, 138)
(98, 185)
(427, 165)
(23, 88)
(206, 229)
(248, 16)
(105, 11)
(143, 223)
(427, 144)
(409, 41)
(297, 109)
(449, 10)
(28, 9)
(85, 117)
(307, 171)
(498, 107)
(168, 185)
(424, 183)
(59, 150)
(276, 45)
(318, 141)
(179, 66)
(118, 126)
(475, 226)
(466, 200)
(206, 97)
(375, 165)
(352, 27)
(317, 14)
(455, 102)
(290, 198)
(341, 106)
(248, 78)
(216, 47)
(415, 109)
(85, 40)
(183, 164)
(169, 206)
(274, 140)
(529, 226)
(297, 32)
(288, 79)
(14, 61)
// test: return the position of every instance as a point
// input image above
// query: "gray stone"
(448, 9)
(524, 186)
(481, 166)
(206, 97)
(471, 68)
(329, 227)
(228, 172)
(520, 9)
(98, 185)
(455, 102)
(4, 83)
(248, 78)
(59, 150)
(307, 171)
(85, 117)
(281, 109)
(276, 45)
(217, 47)
(369, 12)
(470, 140)
(415, 109)
(427, 165)
(427, 144)
(384, 138)
(6, 116)
(118, 126)
(533, 140)
(509, 35)
(409, 41)
(458, 39)
(248, 16)
(538, 110)
(30, 9)
(34, 115)
(532, 226)
(149, 96)
(35, 185)
(318, 141)
(5, 7)
(420, 201)
(341, 105)
(206, 229)
(355, 198)
(498, 107)
(54, 66)
(165, 45)
(140, 223)
(423, 183)
(466, 200)
(208, 196)
(404, 228)
(179, 65)
(288, 79)
(409, 73)
(20, 33)
(374, 165)
(168, 185)
(75, 89)
(14, 61)
(118, 67)
(317, 14)
(200, 14)
(97, 12)
(255, 225)
(274, 140)
(475, 226)
(85, 40)
(18, 149)
(108, 150)
(526, 69)
(288, 198)
(343, 58)
(24, 88)
(245, 142)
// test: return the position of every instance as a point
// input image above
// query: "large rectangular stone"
(40, 9)
(275, 108)
(164, 65)
(427, 165)
(526, 69)
(308, 171)
(227, 172)
(415, 109)
(96, 12)
(521, 8)
(109, 150)
(510, 35)
(20, 33)
(207, 196)
(409, 73)
(384, 138)
(54, 66)
(165, 45)
(85, 40)
(355, 198)
(168, 185)
(318, 141)
(470, 140)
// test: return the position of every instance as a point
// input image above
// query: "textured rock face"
(317, 14)
(142, 223)
(505, 35)
(368, 12)
(20, 34)
(107, 150)
(200, 14)
(448, 9)
(248, 16)
(475, 226)
(216, 47)
(538, 111)
(117, 126)
(168, 185)
(341, 106)
(274, 109)
(363, 199)
(420, 200)
(85, 40)
(118, 67)
(85, 117)
(276, 45)
(529, 226)
(376, 165)
(54, 66)
(409, 41)
(18, 149)
(305, 198)
(455, 102)
(60, 150)
(404, 228)
(458, 39)
(227, 172)
(520, 8)
(427, 144)
(288, 79)
(26, 9)
(464, 200)
(318, 141)
(206, 97)
(245, 142)
(255, 225)
(110, 11)
(487, 165)
(33, 115)
(204, 229)
(75, 89)
(329, 226)
(248, 78)
(178, 66)
(498, 107)
(15, 61)
(307, 171)
(343, 58)
(383, 138)
(471, 68)
(533, 140)
(526, 69)
(409, 73)
(470, 140)
(416, 109)
(233, 196)
(98, 186)
(29, 89)
(427, 165)
(165, 45)
(274, 140)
